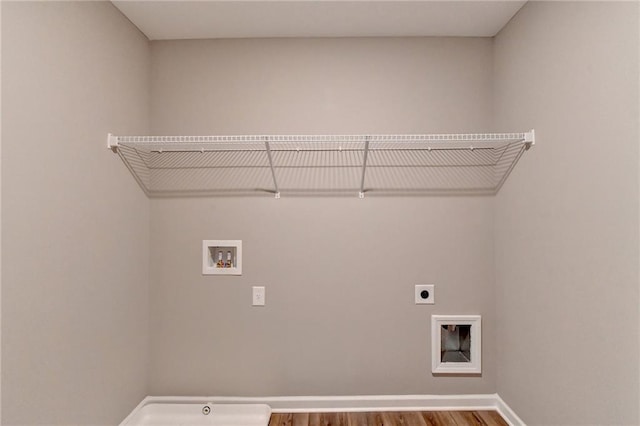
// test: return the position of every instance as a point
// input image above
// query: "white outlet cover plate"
(258, 298)
(432, 295)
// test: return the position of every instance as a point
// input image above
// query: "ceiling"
(168, 20)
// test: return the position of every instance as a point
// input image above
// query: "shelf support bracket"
(529, 139)
(112, 142)
(364, 166)
(273, 172)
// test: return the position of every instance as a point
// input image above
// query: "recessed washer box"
(222, 257)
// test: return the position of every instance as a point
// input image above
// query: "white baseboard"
(507, 413)
(319, 404)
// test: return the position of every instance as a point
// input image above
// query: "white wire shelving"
(322, 164)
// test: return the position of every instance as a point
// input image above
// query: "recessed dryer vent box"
(222, 257)
(456, 345)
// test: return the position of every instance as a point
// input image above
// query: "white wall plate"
(425, 294)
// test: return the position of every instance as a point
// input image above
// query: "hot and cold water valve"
(222, 257)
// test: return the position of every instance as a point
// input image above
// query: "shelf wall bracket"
(112, 142)
(529, 139)
(273, 171)
(364, 167)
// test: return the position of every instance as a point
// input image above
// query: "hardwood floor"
(396, 418)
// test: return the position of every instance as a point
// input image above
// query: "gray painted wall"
(75, 224)
(321, 86)
(567, 220)
(339, 272)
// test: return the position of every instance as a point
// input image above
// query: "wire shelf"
(308, 164)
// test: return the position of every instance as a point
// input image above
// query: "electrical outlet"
(425, 294)
(258, 296)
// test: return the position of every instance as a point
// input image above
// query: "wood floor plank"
(427, 419)
(275, 419)
(334, 419)
(466, 418)
(491, 418)
(314, 419)
(343, 419)
(300, 419)
(356, 419)
(375, 419)
(327, 419)
(408, 418)
(438, 418)
(390, 418)
(278, 419)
